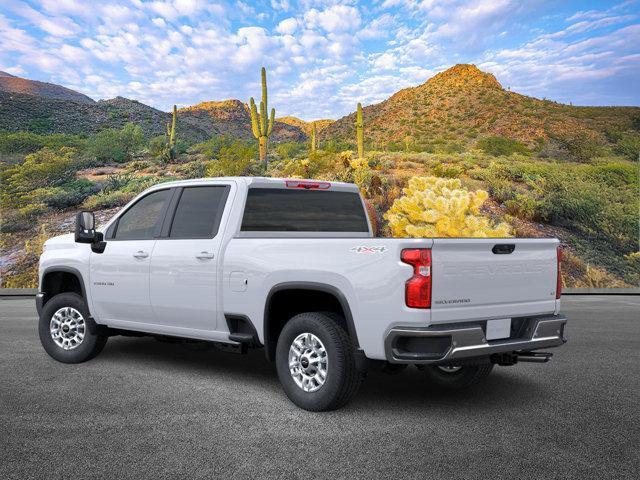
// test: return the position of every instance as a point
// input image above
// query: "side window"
(139, 222)
(199, 212)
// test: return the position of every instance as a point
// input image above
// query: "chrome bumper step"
(446, 343)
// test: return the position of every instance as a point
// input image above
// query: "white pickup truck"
(292, 266)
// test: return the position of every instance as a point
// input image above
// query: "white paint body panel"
(119, 282)
(188, 297)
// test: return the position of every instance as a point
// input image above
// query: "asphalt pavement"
(145, 409)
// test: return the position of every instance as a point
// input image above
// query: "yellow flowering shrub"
(441, 207)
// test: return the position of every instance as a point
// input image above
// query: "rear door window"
(199, 212)
(282, 210)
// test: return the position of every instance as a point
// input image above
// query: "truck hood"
(61, 240)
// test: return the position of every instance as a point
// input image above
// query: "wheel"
(67, 332)
(315, 362)
(453, 377)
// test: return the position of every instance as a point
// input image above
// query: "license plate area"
(498, 329)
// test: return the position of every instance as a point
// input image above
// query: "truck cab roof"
(267, 182)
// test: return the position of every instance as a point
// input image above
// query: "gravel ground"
(144, 409)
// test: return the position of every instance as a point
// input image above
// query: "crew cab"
(291, 266)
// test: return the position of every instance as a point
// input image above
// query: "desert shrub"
(437, 207)
(599, 201)
(27, 277)
(195, 169)
(28, 142)
(43, 169)
(581, 146)
(158, 145)
(107, 200)
(629, 146)
(116, 145)
(319, 164)
(336, 146)
(289, 150)
(523, 206)
(231, 157)
(40, 125)
(67, 195)
(498, 146)
(447, 170)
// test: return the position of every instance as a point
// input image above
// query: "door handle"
(204, 256)
(141, 254)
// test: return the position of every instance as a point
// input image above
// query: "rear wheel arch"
(286, 300)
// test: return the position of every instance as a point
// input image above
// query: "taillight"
(418, 287)
(559, 277)
(307, 185)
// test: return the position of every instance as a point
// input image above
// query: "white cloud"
(287, 26)
(378, 27)
(280, 5)
(56, 26)
(15, 70)
(159, 22)
(335, 19)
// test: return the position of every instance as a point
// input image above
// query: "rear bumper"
(448, 343)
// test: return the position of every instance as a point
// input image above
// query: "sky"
(322, 57)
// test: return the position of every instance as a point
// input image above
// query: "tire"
(342, 379)
(69, 347)
(465, 376)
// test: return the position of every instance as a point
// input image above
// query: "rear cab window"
(302, 210)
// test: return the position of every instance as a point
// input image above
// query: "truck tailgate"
(492, 278)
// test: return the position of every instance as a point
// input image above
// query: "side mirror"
(85, 227)
(86, 232)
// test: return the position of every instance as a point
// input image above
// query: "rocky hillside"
(464, 103)
(20, 111)
(232, 118)
(305, 126)
(12, 84)
(46, 108)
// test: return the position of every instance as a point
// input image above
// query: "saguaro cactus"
(360, 132)
(260, 124)
(171, 135)
(314, 137)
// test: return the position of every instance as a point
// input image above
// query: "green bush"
(107, 200)
(447, 171)
(44, 169)
(158, 145)
(230, 157)
(581, 146)
(28, 142)
(629, 146)
(116, 145)
(195, 169)
(498, 146)
(289, 150)
(523, 206)
(67, 195)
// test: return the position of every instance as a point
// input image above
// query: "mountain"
(232, 118)
(48, 108)
(16, 85)
(305, 126)
(464, 103)
(19, 111)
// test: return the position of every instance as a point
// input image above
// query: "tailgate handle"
(503, 248)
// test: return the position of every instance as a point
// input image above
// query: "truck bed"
(469, 281)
